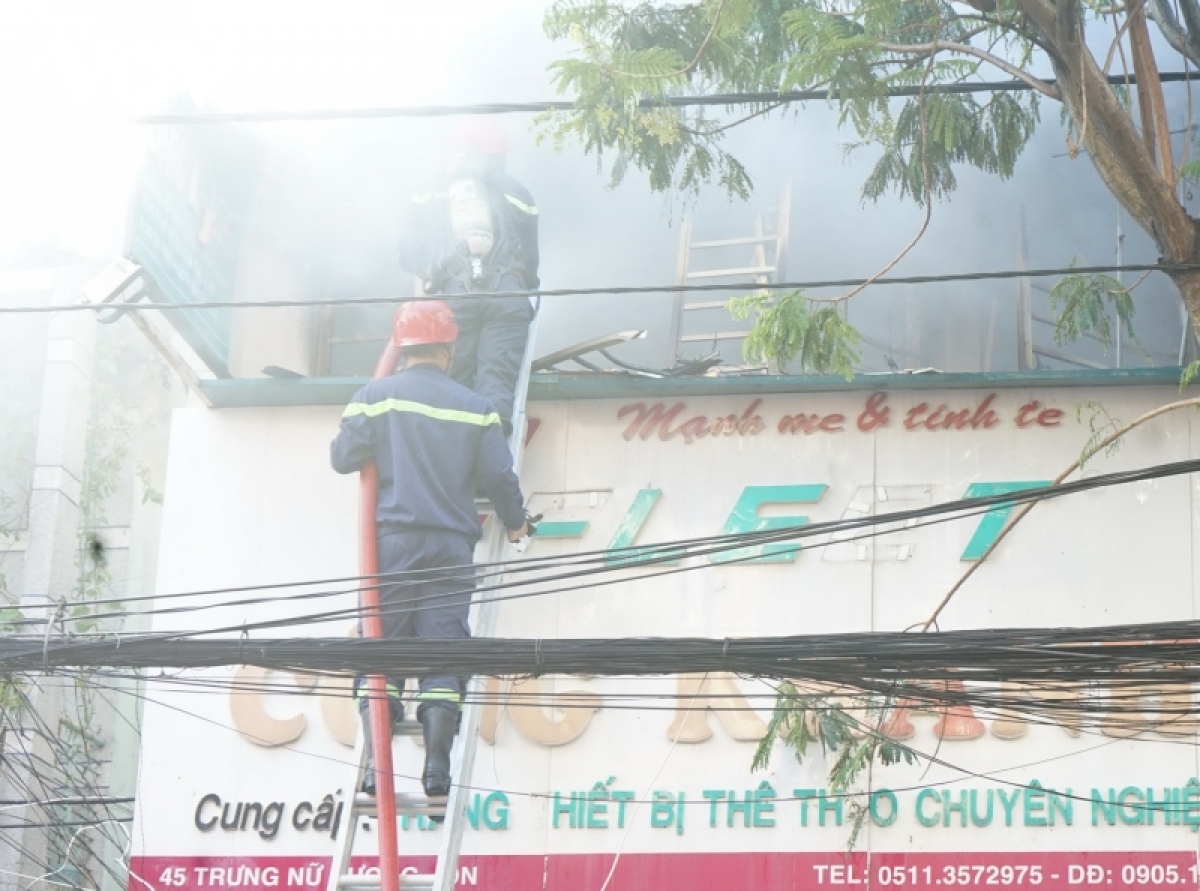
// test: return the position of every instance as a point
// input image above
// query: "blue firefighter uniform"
(433, 442)
(493, 331)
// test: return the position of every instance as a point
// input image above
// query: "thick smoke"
(345, 193)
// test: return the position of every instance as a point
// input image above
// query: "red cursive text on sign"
(810, 424)
(1028, 414)
(668, 421)
(657, 418)
(943, 418)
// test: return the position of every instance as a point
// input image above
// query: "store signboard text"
(666, 422)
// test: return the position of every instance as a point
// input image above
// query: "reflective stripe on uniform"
(426, 197)
(374, 409)
(364, 692)
(521, 205)
(440, 694)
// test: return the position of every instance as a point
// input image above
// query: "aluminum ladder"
(705, 321)
(462, 760)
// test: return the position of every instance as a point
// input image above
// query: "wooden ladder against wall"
(702, 320)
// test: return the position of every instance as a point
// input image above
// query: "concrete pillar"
(59, 457)
(50, 564)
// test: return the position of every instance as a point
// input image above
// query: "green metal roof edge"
(593, 386)
(264, 392)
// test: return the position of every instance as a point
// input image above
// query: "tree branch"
(1150, 96)
(926, 188)
(1042, 13)
(1116, 148)
(1118, 33)
(1179, 40)
(1019, 513)
(686, 68)
(938, 46)
(723, 127)
(1191, 19)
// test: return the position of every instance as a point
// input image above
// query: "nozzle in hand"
(519, 538)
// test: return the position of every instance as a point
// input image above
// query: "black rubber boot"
(396, 710)
(439, 725)
(368, 781)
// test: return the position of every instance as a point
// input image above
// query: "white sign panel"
(245, 779)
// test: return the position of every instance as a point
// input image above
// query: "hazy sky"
(72, 74)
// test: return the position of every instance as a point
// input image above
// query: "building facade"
(244, 777)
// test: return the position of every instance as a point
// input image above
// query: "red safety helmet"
(424, 322)
(481, 135)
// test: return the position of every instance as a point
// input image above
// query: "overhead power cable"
(571, 582)
(608, 563)
(489, 108)
(1044, 701)
(619, 290)
(59, 802)
(37, 778)
(932, 757)
(633, 556)
(1117, 655)
(603, 562)
(637, 555)
(96, 823)
(1129, 661)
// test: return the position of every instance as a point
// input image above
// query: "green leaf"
(845, 723)
(627, 52)
(1101, 425)
(10, 619)
(932, 134)
(1188, 375)
(762, 754)
(787, 328)
(1083, 304)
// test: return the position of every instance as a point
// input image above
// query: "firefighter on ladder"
(433, 442)
(477, 233)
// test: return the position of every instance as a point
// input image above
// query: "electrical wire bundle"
(1122, 655)
(1117, 665)
(56, 790)
(1138, 677)
(544, 576)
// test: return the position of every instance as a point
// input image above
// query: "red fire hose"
(372, 625)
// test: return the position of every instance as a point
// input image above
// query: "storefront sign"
(666, 421)
(247, 789)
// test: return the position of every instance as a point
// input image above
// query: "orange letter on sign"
(695, 696)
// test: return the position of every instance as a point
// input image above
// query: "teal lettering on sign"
(952, 806)
(926, 820)
(745, 518)
(992, 523)
(493, 810)
(561, 529)
(627, 532)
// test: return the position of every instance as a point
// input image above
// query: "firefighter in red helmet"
(433, 442)
(478, 232)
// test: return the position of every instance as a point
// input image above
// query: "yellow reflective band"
(374, 409)
(521, 205)
(364, 692)
(439, 693)
(426, 197)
